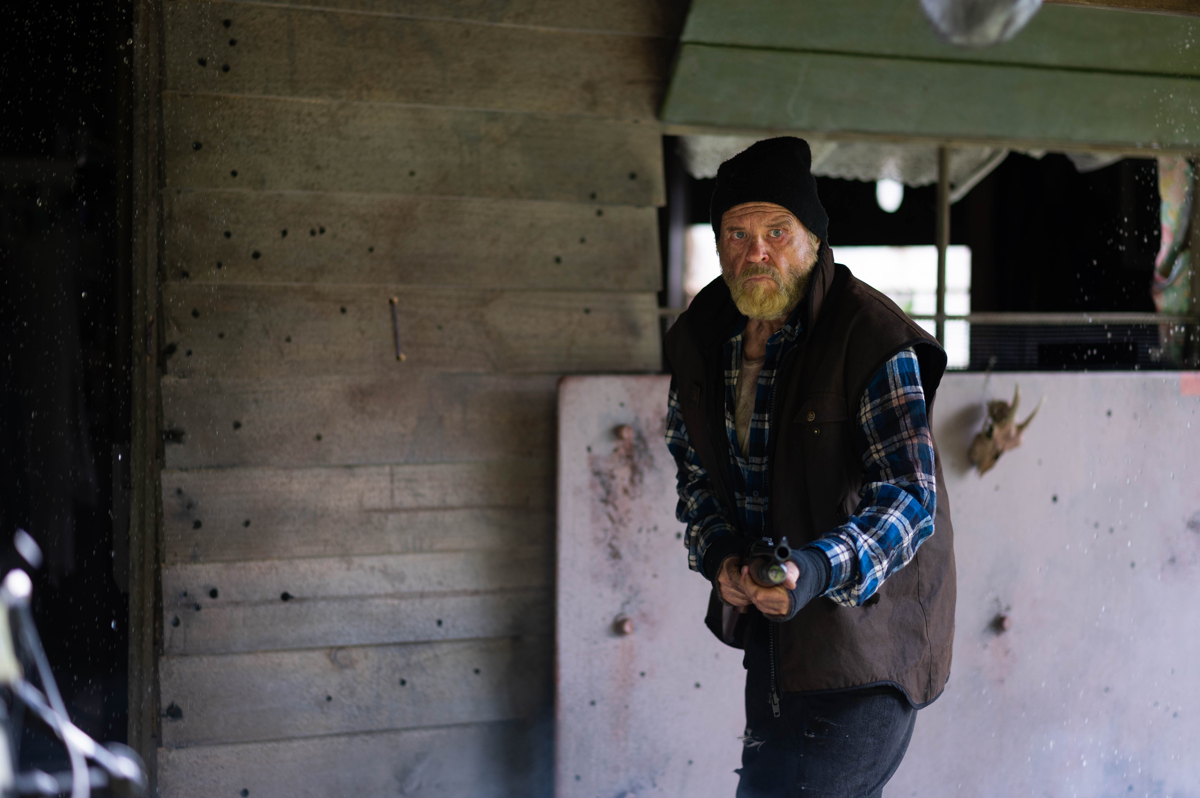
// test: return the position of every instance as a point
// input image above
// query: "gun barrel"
(767, 571)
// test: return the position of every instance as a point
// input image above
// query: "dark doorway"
(64, 321)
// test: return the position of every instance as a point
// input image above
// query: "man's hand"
(773, 600)
(729, 584)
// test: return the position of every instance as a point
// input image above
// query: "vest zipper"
(780, 374)
(771, 649)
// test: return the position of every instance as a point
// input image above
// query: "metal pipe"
(943, 237)
(1031, 319)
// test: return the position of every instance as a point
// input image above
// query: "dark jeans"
(829, 745)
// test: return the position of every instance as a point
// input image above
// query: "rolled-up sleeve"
(898, 499)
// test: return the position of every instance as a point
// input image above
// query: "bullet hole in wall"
(633, 175)
(246, 523)
(233, 42)
(557, 259)
(202, 62)
(220, 265)
(237, 425)
(321, 230)
(196, 607)
(287, 340)
(439, 621)
(227, 22)
(285, 596)
(228, 234)
(370, 249)
(318, 436)
(184, 275)
(195, 313)
(197, 524)
(312, 232)
(173, 712)
(404, 682)
(256, 254)
(343, 310)
(224, 67)
(233, 173)
(245, 793)
(196, 145)
(212, 593)
(283, 233)
(220, 335)
(175, 621)
(187, 353)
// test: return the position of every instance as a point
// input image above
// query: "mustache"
(760, 271)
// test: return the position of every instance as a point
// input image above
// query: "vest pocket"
(819, 410)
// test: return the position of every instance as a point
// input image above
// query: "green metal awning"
(1075, 78)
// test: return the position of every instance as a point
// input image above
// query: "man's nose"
(758, 251)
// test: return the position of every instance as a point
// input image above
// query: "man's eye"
(776, 233)
(739, 234)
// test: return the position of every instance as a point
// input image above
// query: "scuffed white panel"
(657, 711)
(1087, 538)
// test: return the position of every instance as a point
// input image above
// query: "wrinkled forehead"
(752, 214)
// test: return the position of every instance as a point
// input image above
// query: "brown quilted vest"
(903, 634)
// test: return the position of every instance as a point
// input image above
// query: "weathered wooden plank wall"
(357, 551)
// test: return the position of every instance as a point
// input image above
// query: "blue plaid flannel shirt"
(898, 497)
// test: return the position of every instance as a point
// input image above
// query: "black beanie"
(773, 170)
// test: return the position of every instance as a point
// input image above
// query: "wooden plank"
(228, 628)
(288, 694)
(262, 143)
(487, 760)
(219, 515)
(393, 240)
(306, 52)
(267, 331)
(658, 18)
(925, 98)
(233, 514)
(1109, 41)
(305, 421)
(193, 587)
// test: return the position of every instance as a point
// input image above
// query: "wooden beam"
(276, 331)
(230, 514)
(374, 620)
(353, 56)
(275, 695)
(904, 97)
(274, 144)
(190, 587)
(324, 421)
(383, 239)
(146, 445)
(662, 18)
(485, 760)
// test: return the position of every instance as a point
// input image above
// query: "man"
(799, 408)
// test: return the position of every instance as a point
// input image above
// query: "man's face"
(767, 258)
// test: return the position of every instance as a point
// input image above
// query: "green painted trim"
(741, 88)
(1059, 36)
